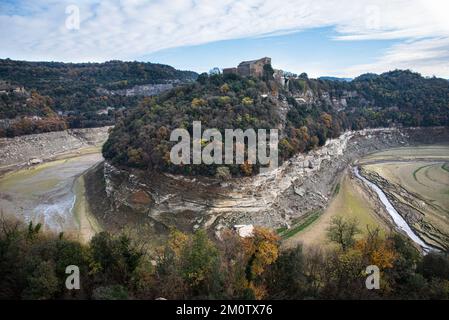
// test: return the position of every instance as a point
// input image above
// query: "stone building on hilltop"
(252, 68)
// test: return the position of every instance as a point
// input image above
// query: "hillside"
(85, 94)
(307, 112)
(335, 79)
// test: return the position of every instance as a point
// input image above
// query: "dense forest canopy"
(195, 266)
(307, 112)
(143, 138)
(57, 77)
(76, 91)
(405, 97)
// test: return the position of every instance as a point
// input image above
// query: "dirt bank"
(36, 148)
(87, 224)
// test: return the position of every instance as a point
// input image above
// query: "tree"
(223, 173)
(42, 283)
(246, 168)
(343, 232)
(262, 250)
(286, 279)
(167, 278)
(114, 258)
(225, 88)
(314, 142)
(114, 292)
(198, 102)
(188, 266)
(377, 250)
(326, 118)
(199, 265)
(247, 101)
(435, 265)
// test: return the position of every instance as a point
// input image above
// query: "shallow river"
(397, 218)
(46, 193)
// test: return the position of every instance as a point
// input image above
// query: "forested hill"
(308, 112)
(421, 101)
(51, 78)
(81, 94)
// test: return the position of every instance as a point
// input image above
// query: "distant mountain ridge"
(112, 74)
(335, 79)
(84, 94)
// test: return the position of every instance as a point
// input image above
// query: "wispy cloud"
(428, 56)
(119, 29)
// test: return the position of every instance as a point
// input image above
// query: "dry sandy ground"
(352, 201)
(434, 152)
(427, 182)
(399, 165)
(428, 179)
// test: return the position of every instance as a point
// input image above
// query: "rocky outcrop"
(301, 185)
(26, 149)
(145, 90)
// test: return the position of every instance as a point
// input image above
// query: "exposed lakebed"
(53, 193)
(48, 193)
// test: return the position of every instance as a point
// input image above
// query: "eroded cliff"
(301, 185)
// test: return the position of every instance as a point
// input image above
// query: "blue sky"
(312, 51)
(321, 37)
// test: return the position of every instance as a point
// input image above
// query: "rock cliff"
(26, 149)
(274, 199)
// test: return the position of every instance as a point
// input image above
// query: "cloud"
(428, 56)
(119, 29)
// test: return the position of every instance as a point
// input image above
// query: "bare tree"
(343, 231)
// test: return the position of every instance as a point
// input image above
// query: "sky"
(343, 38)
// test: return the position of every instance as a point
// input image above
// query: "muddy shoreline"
(51, 191)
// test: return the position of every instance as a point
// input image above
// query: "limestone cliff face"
(336, 101)
(301, 185)
(146, 90)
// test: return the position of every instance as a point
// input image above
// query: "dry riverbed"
(415, 180)
(352, 200)
(41, 179)
(417, 184)
(51, 193)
